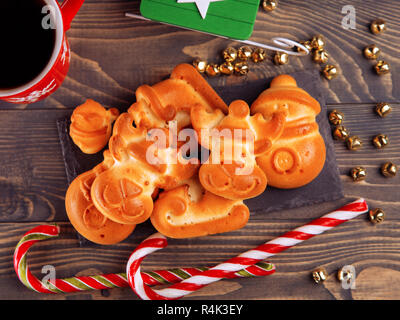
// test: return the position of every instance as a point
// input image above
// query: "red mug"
(51, 77)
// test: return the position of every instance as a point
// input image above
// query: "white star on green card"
(230, 18)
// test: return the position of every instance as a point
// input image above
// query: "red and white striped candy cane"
(104, 281)
(246, 259)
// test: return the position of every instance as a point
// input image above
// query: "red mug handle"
(69, 9)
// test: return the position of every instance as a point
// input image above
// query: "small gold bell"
(376, 216)
(358, 173)
(241, 68)
(281, 58)
(353, 143)
(383, 109)
(200, 65)
(378, 26)
(230, 54)
(269, 5)
(320, 56)
(345, 274)
(226, 68)
(389, 169)
(335, 117)
(258, 55)
(380, 141)
(319, 274)
(212, 70)
(306, 44)
(372, 52)
(244, 53)
(382, 67)
(330, 71)
(340, 133)
(318, 42)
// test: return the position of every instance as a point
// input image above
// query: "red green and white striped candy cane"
(244, 260)
(104, 281)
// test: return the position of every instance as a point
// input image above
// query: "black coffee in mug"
(27, 41)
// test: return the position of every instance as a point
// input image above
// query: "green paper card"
(229, 18)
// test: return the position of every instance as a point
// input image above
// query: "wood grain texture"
(112, 55)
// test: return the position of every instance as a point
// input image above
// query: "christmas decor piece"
(345, 274)
(226, 68)
(378, 26)
(380, 141)
(382, 67)
(244, 53)
(264, 251)
(371, 52)
(320, 274)
(358, 173)
(353, 143)
(269, 5)
(383, 109)
(105, 281)
(233, 19)
(340, 133)
(258, 55)
(389, 169)
(318, 42)
(230, 54)
(320, 56)
(330, 71)
(376, 215)
(281, 58)
(200, 65)
(336, 117)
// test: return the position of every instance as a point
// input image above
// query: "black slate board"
(272, 199)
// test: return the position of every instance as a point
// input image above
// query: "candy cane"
(104, 281)
(246, 259)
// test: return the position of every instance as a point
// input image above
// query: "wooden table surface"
(112, 55)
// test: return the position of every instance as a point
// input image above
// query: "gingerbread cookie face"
(91, 126)
(190, 211)
(86, 218)
(141, 165)
(231, 170)
(298, 156)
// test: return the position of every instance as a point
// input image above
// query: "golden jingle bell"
(241, 68)
(212, 70)
(376, 215)
(269, 5)
(378, 26)
(353, 143)
(389, 169)
(358, 173)
(382, 67)
(345, 274)
(306, 44)
(226, 68)
(380, 141)
(244, 53)
(200, 65)
(335, 117)
(330, 71)
(281, 58)
(258, 55)
(383, 109)
(340, 133)
(230, 54)
(371, 52)
(318, 42)
(320, 56)
(319, 274)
